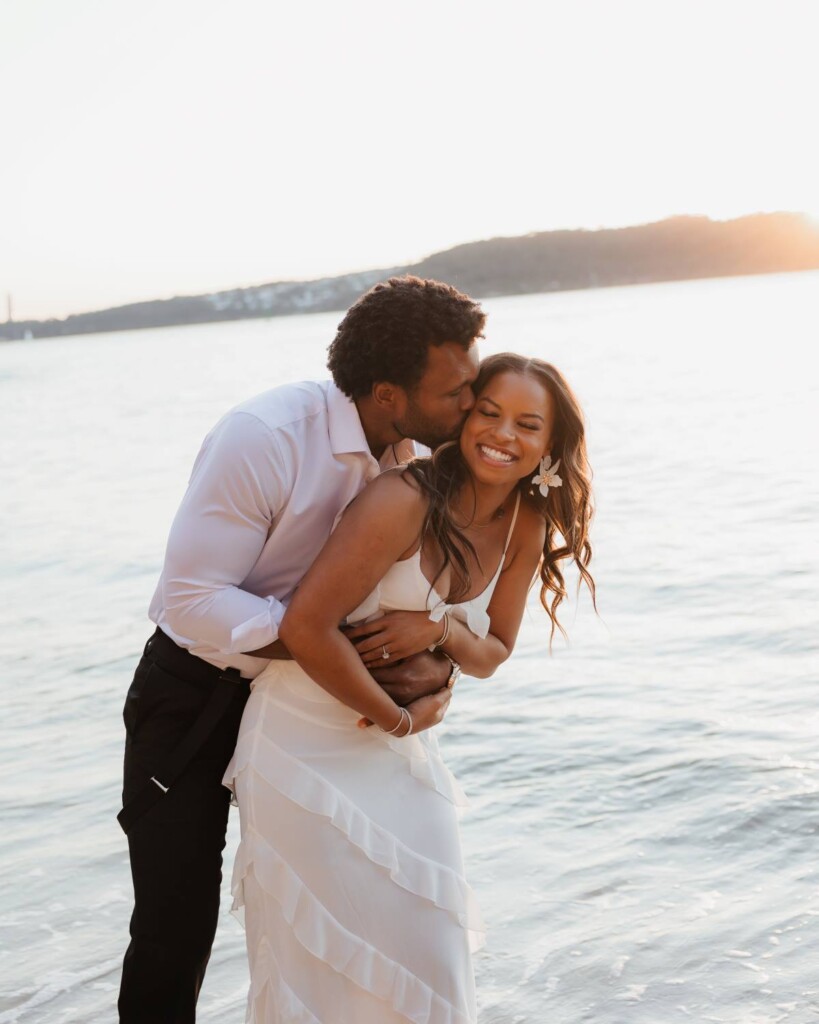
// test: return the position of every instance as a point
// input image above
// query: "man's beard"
(424, 431)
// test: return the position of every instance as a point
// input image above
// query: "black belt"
(223, 693)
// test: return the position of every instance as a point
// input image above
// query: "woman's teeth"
(494, 454)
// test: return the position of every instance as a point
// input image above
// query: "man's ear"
(386, 395)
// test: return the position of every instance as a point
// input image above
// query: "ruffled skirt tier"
(349, 874)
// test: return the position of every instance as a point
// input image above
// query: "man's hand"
(419, 676)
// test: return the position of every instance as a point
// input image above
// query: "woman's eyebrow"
(534, 415)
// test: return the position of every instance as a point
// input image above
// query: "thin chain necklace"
(499, 513)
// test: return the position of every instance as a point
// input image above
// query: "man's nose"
(467, 399)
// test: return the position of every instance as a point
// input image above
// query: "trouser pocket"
(137, 699)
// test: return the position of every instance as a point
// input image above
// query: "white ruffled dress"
(349, 873)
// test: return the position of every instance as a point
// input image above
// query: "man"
(267, 486)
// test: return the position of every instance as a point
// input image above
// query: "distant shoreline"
(678, 249)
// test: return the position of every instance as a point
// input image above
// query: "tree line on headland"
(681, 248)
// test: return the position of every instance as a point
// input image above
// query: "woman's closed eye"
(491, 415)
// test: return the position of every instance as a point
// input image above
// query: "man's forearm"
(415, 677)
(275, 651)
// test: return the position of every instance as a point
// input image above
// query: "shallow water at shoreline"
(643, 831)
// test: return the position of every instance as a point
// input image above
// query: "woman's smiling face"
(509, 429)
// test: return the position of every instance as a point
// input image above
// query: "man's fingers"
(397, 691)
(387, 674)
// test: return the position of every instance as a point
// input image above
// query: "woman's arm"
(381, 524)
(405, 632)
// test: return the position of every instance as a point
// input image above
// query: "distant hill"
(677, 249)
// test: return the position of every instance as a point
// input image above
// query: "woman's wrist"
(403, 727)
(443, 636)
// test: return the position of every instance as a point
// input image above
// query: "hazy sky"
(163, 147)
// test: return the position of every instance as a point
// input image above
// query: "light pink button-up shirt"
(267, 486)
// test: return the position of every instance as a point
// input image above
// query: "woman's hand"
(424, 713)
(399, 634)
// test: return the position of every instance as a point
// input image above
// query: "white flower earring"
(547, 477)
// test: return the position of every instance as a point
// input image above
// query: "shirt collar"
(347, 434)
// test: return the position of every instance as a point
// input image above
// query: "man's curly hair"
(386, 334)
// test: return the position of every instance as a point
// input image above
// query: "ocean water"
(644, 834)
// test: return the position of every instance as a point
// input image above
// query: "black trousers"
(176, 847)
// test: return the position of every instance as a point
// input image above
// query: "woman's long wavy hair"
(567, 510)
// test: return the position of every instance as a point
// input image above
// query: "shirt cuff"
(259, 631)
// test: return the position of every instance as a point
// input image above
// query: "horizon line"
(167, 297)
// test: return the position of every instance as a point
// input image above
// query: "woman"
(349, 869)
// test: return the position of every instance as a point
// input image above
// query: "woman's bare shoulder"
(396, 492)
(530, 530)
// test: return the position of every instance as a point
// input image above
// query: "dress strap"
(511, 525)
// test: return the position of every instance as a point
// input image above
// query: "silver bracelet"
(399, 723)
(444, 635)
(409, 723)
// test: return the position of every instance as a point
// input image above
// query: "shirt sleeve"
(238, 485)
